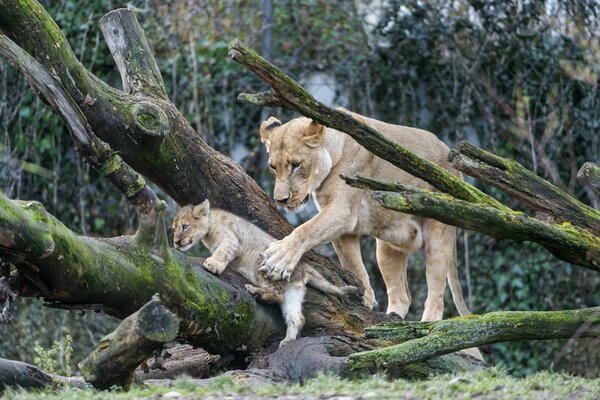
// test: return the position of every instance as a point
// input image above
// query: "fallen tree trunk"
(565, 241)
(423, 340)
(16, 374)
(115, 359)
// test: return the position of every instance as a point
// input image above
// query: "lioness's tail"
(455, 288)
(317, 281)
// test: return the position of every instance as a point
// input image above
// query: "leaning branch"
(522, 184)
(565, 241)
(289, 94)
(424, 340)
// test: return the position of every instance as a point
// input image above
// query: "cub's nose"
(283, 199)
(177, 244)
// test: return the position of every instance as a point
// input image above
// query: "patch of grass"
(491, 384)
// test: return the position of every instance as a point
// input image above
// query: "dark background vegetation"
(518, 78)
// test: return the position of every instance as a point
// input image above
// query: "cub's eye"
(272, 166)
(184, 227)
(295, 165)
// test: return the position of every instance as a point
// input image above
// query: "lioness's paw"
(283, 256)
(369, 299)
(214, 266)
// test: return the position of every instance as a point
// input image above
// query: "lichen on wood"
(423, 340)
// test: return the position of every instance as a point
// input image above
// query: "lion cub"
(235, 242)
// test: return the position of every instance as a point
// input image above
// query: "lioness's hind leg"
(347, 248)
(293, 297)
(439, 257)
(393, 264)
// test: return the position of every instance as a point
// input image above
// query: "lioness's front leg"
(330, 223)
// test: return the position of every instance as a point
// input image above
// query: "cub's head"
(297, 158)
(190, 225)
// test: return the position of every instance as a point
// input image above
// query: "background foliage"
(519, 78)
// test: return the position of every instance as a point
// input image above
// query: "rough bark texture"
(423, 340)
(516, 180)
(565, 241)
(16, 374)
(589, 175)
(114, 360)
(180, 361)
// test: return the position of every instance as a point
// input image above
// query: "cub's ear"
(202, 209)
(314, 134)
(266, 129)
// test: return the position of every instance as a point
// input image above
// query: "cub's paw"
(214, 266)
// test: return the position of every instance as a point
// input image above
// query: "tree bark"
(136, 338)
(16, 374)
(589, 175)
(516, 180)
(423, 340)
(565, 241)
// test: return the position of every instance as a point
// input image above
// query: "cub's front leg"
(330, 223)
(229, 248)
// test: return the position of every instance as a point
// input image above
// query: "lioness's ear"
(314, 135)
(266, 129)
(202, 209)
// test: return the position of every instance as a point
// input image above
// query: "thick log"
(516, 180)
(289, 94)
(565, 241)
(16, 374)
(423, 340)
(119, 276)
(180, 361)
(114, 360)
(589, 175)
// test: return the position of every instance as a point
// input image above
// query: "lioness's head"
(297, 158)
(190, 225)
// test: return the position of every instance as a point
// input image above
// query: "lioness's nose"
(283, 199)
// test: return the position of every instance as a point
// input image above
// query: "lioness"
(307, 158)
(235, 242)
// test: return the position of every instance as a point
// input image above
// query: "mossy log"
(522, 184)
(423, 340)
(114, 361)
(289, 94)
(118, 276)
(565, 241)
(589, 175)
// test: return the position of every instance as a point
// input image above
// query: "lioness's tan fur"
(307, 158)
(237, 243)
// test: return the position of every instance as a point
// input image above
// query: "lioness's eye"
(295, 165)
(184, 227)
